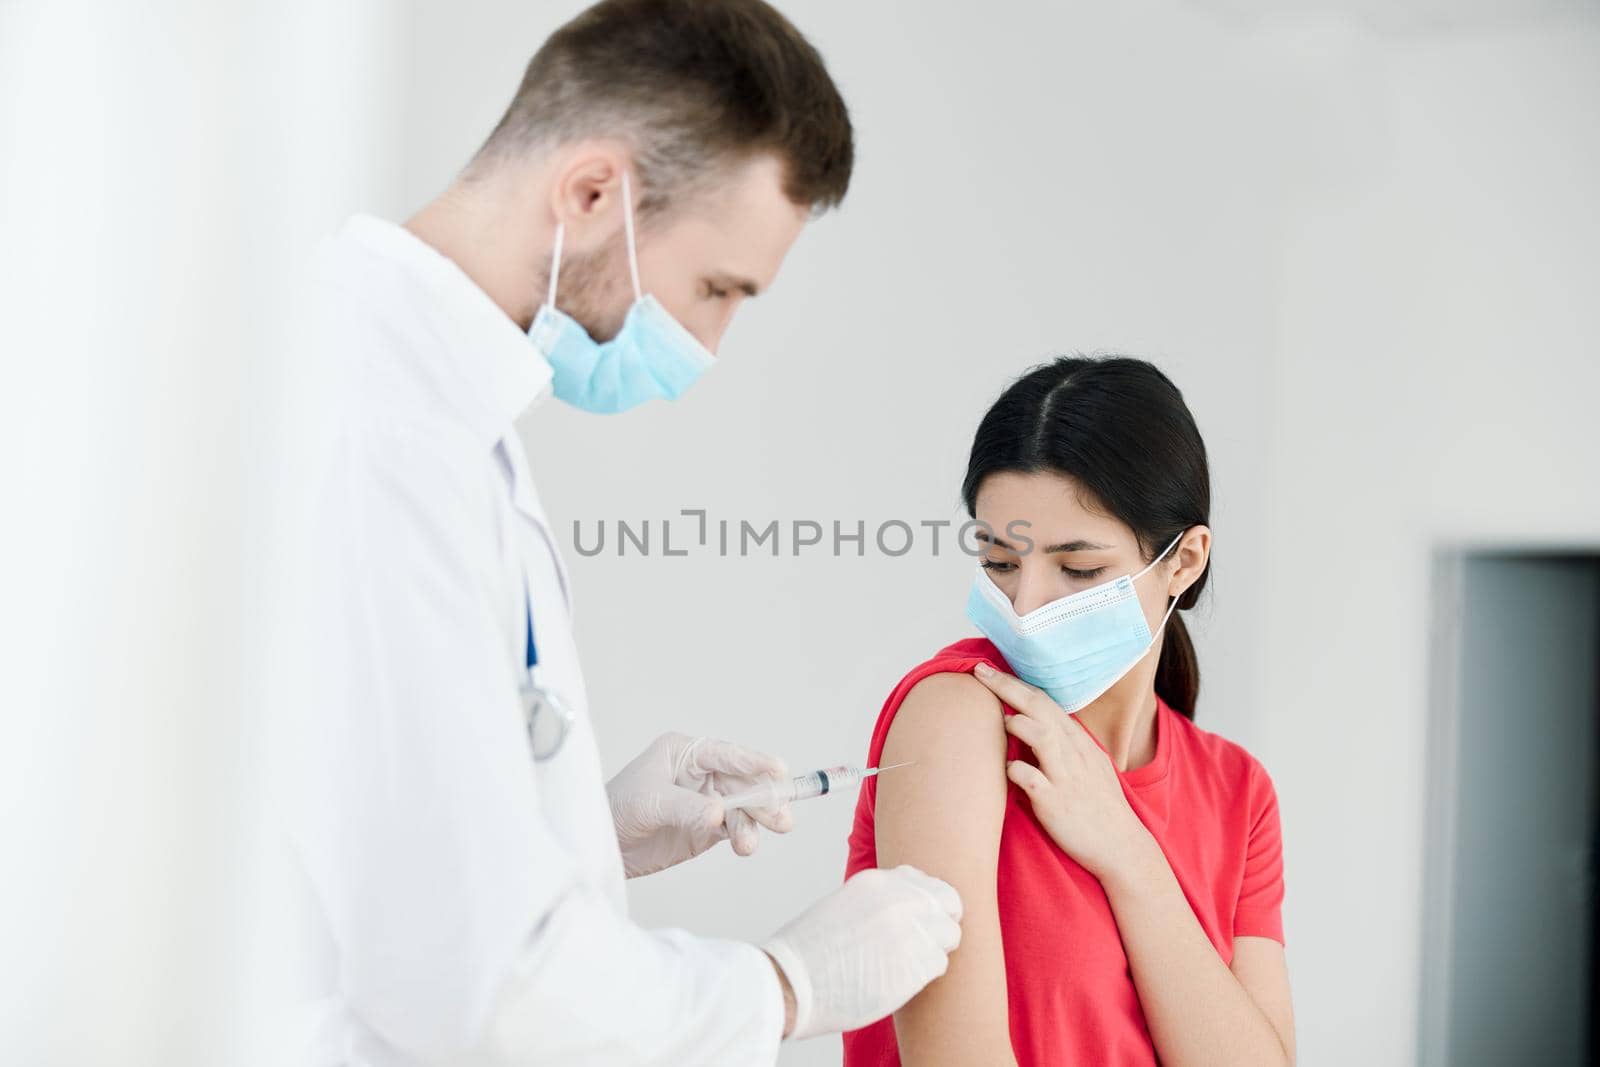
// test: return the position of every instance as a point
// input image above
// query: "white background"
(1361, 238)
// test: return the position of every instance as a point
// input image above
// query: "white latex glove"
(667, 803)
(865, 949)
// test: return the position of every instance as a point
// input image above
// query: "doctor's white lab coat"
(463, 904)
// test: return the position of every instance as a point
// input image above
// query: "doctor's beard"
(594, 288)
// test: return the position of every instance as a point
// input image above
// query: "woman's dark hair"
(1120, 429)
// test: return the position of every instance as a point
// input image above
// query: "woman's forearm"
(1198, 1013)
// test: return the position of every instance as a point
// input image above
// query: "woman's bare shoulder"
(945, 814)
(950, 730)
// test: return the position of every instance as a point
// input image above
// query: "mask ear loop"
(1171, 608)
(555, 264)
(1174, 605)
(627, 228)
(1159, 558)
(1153, 639)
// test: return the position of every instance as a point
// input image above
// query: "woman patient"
(1121, 868)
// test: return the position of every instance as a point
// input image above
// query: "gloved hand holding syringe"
(773, 792)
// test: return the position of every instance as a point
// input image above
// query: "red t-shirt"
(1211, 807)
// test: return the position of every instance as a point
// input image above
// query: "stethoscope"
(548, 719)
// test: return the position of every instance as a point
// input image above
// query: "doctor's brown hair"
(1120, 429)
(692, 86)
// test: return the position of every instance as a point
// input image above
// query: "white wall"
(162, 166)
(1434, 382)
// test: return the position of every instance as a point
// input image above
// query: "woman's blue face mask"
(1074, 648)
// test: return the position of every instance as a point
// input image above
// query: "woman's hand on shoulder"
(1074, 790)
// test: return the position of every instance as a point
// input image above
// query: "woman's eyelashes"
(1002, 566)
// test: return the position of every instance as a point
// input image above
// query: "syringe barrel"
(774, 792)
(818, 783)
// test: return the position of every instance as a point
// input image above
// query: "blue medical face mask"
(1074, 648)
(652, 356)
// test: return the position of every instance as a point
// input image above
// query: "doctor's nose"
(712, 331)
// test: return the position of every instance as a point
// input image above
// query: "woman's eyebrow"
(1077, 546)
(1065, 546)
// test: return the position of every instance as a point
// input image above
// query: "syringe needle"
(879, 770)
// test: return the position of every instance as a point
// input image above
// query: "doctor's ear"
(1190, 556)
(586, 193)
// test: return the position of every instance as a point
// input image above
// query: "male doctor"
(462, 856)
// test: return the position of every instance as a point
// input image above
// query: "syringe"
(775, 791)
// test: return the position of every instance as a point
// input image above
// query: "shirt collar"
(482, 361)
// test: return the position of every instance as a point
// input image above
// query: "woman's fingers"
(1045, 740)
(1030, 732)
(1029, 778)
(1019, 695)
(1035, 704)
